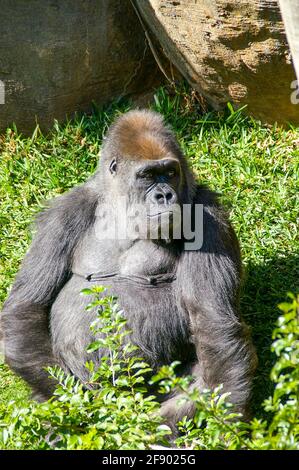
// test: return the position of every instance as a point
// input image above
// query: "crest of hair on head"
(141, 135)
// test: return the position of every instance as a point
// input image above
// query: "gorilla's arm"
(210, 281)
(45, 270)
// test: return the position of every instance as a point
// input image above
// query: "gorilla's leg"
(225, 356)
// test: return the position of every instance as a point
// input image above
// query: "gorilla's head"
(143, 165)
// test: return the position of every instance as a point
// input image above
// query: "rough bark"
(228, 50)
(56, 57)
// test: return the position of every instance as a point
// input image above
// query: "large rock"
(228, 50)
(290, 14)
(56, 57)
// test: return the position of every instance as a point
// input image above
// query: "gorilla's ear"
(113, 167)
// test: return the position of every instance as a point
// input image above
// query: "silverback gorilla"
(180, 304)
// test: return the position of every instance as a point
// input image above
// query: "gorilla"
(181, 303)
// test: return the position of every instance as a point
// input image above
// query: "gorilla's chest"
(142, 257)
(160, 327)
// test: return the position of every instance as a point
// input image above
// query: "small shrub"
(118, 413)
(223, 429)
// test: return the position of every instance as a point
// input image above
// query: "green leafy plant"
(282, 432)
(215, 426)
(114, 411)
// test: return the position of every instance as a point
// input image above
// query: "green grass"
(254, 168)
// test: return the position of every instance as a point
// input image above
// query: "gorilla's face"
(152, 190)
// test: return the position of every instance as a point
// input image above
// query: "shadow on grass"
(265, 286)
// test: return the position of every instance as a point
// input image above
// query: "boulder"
(229, 50)
(57, 57)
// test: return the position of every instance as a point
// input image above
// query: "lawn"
(254, 168)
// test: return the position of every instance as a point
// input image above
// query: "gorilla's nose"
(164, 197)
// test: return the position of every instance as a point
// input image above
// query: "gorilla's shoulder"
(206, 196)
(74, 209)
(216, 217)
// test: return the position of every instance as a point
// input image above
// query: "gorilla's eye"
(171, 173)
(113, 167)
(145, 174)
(149, 174)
